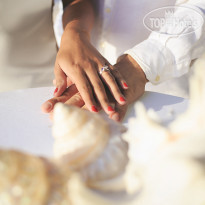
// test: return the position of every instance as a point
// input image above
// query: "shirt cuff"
(153, 57)
(168, 53)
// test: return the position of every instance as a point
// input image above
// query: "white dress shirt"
(164, 58)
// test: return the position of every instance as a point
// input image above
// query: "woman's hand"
(129, 69)
(79, 62)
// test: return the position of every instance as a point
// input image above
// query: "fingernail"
(48, 106)
(122, 99)
(125, 85)
(110, 109)
(94, 109)
(55, 91)
(116, 117)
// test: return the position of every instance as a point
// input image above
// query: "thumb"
(69, 82)
(120, 111)
(61, 81)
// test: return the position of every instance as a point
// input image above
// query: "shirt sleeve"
(168, 53)
(57, 20)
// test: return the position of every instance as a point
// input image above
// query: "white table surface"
(23, 126)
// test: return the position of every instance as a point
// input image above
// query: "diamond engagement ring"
(104, 69)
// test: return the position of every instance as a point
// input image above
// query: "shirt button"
(102, 44)
(108, 10)
(157, 78)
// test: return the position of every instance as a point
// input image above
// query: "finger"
(120, 80)
(54, 82)
(110, 81)
(85, 89)
(99, 90)
(120, 112)
(69, 82)
(49, 104)
(76, 100)
(84, 107)
(61, 80)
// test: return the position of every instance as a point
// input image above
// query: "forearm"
(79, 15)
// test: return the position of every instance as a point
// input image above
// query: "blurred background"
(27, 44)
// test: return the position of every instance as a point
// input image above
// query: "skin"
(79, 63)
(131, 72)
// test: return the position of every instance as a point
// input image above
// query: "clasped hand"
(79, 83)
(79, 62)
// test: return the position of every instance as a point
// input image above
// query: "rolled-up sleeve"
(168, 54)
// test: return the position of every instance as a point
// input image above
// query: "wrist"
(75, 28)
(130, 65)
(137, 67)
(74, 34)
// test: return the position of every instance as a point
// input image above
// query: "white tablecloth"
(23, 126)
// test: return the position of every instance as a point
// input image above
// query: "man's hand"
(136, 80)
(71, 96)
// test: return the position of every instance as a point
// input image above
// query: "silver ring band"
(104, 69)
